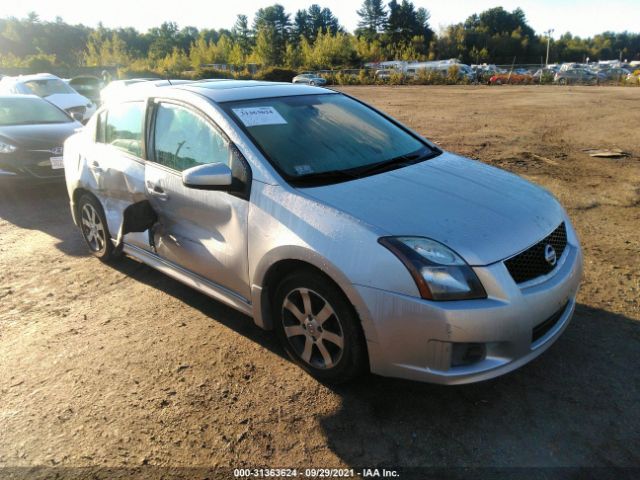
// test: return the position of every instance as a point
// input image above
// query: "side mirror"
(77, 116)
(209, 176)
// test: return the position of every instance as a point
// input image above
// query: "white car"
(52, 89)
(117, 87)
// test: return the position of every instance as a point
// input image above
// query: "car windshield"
(21, 110)
(49, 86)
(310, 136)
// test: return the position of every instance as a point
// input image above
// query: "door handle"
(156, 191)
(95, 166)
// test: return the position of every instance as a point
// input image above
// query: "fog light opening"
(463, 354)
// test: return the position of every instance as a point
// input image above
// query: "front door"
(203, 231)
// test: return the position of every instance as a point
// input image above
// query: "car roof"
(21, 95)
(35, 76)
(222, 90)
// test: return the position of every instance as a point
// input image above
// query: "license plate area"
(56, 162)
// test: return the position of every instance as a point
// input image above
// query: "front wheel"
(93, 226)
(312, 83)
(318, 328)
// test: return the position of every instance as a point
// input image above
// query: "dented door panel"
(117, 179)
(202, 231)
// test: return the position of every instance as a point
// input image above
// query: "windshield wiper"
(337, 176)
(393, 163)
(323, 178)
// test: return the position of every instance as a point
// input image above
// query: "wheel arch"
(75, 200)
(276, 266)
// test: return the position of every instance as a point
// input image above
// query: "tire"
(563, 81)
(312, 83)
(93, 226)
(319, 328)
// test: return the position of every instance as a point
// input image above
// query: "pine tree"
(242, 34)
(373, 18)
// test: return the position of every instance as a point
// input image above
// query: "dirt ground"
(120, 366)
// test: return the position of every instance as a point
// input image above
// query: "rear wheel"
(93, 225)
(312, 83)
(318, 328)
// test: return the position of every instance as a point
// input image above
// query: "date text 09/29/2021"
(315, 473)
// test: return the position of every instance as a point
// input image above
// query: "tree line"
(311, 38)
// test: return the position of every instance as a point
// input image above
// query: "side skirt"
(194, 281)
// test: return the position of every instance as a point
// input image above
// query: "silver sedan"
(309, 79)
(362, 244)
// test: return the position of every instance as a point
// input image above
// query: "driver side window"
(183, 139)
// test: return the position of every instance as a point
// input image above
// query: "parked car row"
(39, 112)
(564, 74)
(384, 70)
(52, 89)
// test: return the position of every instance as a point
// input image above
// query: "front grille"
(541, 329)
(37, 163)
(531, 263)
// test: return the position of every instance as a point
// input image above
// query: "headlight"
(439, 272)
(7, 148)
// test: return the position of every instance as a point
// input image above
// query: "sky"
(580, 17)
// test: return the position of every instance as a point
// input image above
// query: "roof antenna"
(168, 79)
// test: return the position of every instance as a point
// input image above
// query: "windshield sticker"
(303, 169)
(258, 116)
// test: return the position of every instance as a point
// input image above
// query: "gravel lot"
(120, 366)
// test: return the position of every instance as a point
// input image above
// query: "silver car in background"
(363, 245)
(309, 79)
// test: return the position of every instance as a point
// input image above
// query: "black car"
(88, 86)
(32, 135)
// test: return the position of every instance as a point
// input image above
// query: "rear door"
(115, 165)
(203, 231)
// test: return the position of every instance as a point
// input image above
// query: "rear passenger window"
(183, 139)
(123, 127)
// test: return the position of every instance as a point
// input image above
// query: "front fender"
(314, 259)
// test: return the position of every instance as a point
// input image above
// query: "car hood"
(33, 137)
(483, 213)
(68, 100)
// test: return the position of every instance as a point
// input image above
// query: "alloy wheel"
(92, 228)
(312, 328)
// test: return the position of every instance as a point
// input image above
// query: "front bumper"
(30, 165)
(421, 340)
